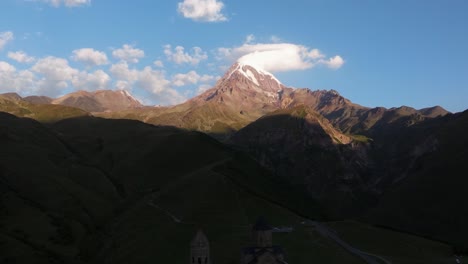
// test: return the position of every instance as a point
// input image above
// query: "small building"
(200, 249)
(263, 252)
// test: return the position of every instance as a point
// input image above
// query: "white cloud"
(98, 80)
(56, 75)
(191, 77)
(13, 80)
(159, 87)
(5, 37)
(50, 76)
(278, 57)
(182, 79)
(179, 56)
(275, 57)
(55, 68)
(315, 54)
(21, 57)
(128, 53)
(90, 57)
(225, 53)
(158, 64)
(208, 78)
(333, 63)
(122, 72)
(6, 68)
(153, 81)
(67, 3)
(202, 10)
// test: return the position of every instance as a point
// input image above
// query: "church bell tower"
(200, 249)
(262, 233)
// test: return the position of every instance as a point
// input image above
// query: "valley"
(96, 177)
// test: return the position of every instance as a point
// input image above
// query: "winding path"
(331, 234)
(321, 229)
(174, 184)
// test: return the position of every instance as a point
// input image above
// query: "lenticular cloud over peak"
(281, 57)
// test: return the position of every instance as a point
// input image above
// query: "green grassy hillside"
(47, 113)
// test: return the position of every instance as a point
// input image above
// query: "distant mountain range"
(240, 97)
(98, 101)
(400, 167)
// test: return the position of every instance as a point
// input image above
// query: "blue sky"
(376, 53)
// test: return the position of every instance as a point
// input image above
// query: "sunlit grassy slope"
(46, 113)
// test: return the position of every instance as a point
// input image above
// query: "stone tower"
(262, 233)
(200, 249)
(263, 251)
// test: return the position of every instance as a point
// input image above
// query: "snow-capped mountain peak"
(244, 88)
(260, 78)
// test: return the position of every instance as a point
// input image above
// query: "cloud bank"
(90, 69)
(153, 81)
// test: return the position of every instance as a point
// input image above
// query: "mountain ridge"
(99, 101)
(246, 93)
(241, 96)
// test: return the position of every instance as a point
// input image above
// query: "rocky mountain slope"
(425, 166)
(301, 146)
(246, 93)
(241, 96)
(99, 101)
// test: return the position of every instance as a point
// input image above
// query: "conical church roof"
(200, 239)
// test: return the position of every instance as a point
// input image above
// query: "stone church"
(200, 249)
(262, 252)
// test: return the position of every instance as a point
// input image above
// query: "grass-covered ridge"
(47, 113)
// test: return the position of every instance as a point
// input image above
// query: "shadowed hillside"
(301, 146)
(428, 196)
(72, 193)
(91, 190)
